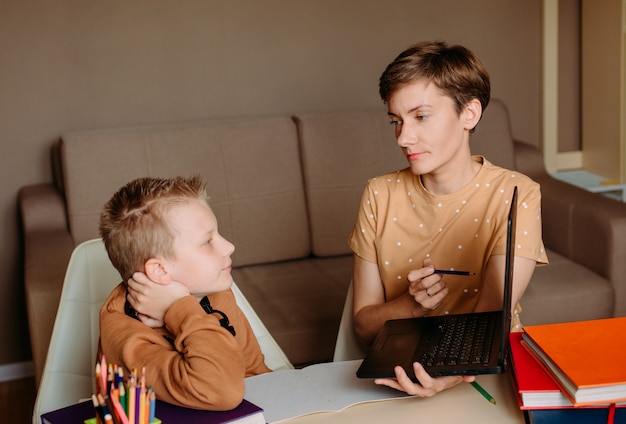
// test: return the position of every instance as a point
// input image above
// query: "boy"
(448, 207)
(195, 356)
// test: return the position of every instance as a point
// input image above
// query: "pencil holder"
(94, 421)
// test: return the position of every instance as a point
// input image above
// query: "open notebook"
(463, 344)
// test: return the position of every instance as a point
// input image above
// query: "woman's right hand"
(427, 288)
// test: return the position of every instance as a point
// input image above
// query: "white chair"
(68, 373)
(348, 346)
(275, 358)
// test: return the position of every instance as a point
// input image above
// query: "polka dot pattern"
(400, 225)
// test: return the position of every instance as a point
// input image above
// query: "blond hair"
(133, 222)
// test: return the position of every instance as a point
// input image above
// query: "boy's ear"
(156, 270)
(472, 112)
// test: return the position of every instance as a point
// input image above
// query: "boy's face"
(202, 256)
(428, 128)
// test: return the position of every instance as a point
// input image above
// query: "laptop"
(463, 344)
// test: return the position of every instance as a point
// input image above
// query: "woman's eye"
(396, 123)
(421, 117)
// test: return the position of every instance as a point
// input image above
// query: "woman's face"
(432, 134)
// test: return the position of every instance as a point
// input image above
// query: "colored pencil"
(483, 392)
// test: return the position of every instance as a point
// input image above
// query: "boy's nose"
(229, 248)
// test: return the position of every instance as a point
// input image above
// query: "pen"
(452, 272)
(483, 392)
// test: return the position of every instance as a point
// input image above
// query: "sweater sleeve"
(192, 362)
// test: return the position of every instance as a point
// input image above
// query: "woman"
(447, 208)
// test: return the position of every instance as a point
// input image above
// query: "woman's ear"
(472, 112)
(156, 270)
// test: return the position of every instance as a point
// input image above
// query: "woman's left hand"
(427, 386)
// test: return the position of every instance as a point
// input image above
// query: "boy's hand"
(149, 321)
(151, 300)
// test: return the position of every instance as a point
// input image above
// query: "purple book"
(246, 412)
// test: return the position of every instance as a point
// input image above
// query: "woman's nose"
(405, 135)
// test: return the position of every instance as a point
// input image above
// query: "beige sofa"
(285, 191)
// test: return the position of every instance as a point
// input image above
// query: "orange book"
(586, 358)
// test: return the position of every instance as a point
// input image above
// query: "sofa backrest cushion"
(493, 138)
(252, 168)
(340, 152)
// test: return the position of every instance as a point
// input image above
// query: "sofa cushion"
(565, 291)
(249, 165)
(300, 302)
(340, 152)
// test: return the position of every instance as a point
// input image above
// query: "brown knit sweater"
(192, 361)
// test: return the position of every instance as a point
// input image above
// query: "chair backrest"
(68, 373)
(348, 346)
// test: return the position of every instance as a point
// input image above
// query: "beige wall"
(569, 130)
(75, 64)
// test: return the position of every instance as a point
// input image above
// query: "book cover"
(577, 416)
(77, 414)
(585, 358)
(246, 412)
(536, 389)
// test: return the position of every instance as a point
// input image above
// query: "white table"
(461, 404)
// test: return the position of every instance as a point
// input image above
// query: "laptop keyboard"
(457, 340)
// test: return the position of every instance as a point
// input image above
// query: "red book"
(535, 388)
(587, 359)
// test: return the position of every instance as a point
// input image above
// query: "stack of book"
(571, 371)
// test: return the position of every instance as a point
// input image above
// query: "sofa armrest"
(589, 229)
(585, 227)
(47, 249)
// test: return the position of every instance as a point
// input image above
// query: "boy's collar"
(206, 305)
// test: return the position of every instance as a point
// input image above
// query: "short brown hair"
(455, 70)
(133, 225)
